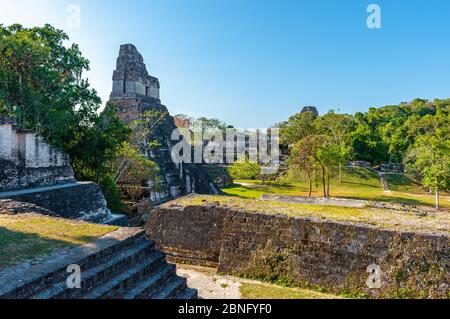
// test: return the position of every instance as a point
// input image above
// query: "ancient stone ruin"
(311, 109)
(26, 161)
(136, 92)
(36, 178)
(35, 172)
(309, 252)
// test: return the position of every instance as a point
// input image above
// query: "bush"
(112, 195)
(244, 170)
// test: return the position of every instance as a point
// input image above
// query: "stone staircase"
(123, 265)
(384, 182)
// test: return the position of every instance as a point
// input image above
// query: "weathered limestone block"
(35, 172)
(27, 161)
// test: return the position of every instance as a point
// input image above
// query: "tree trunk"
(328, 186)
(310, 184)
(340, 173)
(437, 198)
(324, 182)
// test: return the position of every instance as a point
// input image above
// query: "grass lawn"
(27, 237)
(357, 183)
(262, 291)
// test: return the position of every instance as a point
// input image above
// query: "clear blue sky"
(254, 62)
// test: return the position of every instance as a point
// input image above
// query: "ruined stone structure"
(135, 92)
(121, 265)
(33, 171)
(27, 161)
(311, 109)
(308, 252)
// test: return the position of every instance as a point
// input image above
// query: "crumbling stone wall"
(27, 161)
(193, 234)
(305, 252)
(10, 207)
(76, 201)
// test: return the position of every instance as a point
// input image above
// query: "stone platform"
(310, 250)
(83, 200)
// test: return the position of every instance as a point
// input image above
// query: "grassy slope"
(25, 237)
(263, 291)
(358, 183)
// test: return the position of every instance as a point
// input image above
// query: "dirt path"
(316, 200)
(208, 284)
(213, 286)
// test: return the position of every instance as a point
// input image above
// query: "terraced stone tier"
(121, 265)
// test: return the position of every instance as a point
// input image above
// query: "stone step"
(118, 286)
(37, 278)
(146, 287)
(98, 275)
(188, 294)
(121, 265)
(171, 289)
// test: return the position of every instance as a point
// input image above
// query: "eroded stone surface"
(27, 161)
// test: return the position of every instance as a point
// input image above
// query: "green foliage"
(112, 194)
(244, 170)
(430, 154)
(297, 127)
(131, 167)
(385, 134)
(95, 146)
(379, 135)
(3, 110)
(415, 133)
(353, 295)
(41, 85)
(271, 265)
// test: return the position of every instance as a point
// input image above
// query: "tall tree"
(430, 155)
(42, 86)
(303, 158)
(297, 127)
(337, 128)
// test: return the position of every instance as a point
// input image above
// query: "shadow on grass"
(361, 184)
(363, 173)
(17, 247)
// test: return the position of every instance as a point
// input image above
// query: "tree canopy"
(42, 86)
(415, 133)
